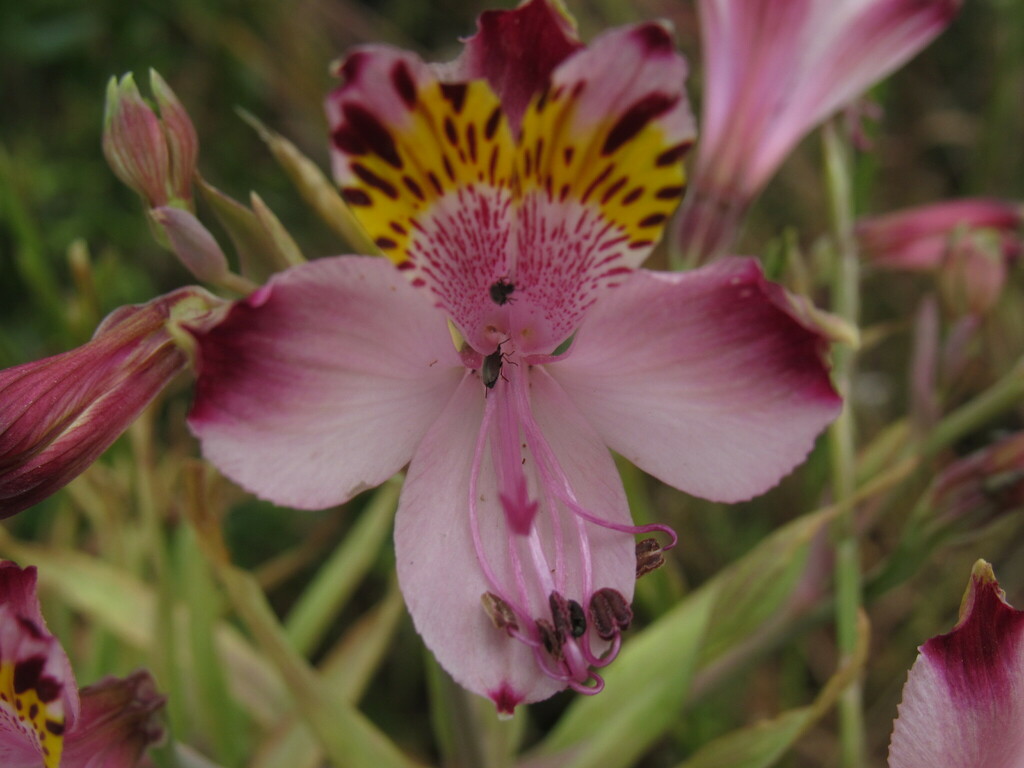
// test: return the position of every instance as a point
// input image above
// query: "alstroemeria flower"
(969, 243)
(44, 722)
(963, 703)
(518, 193)
(59, 414)
(773, 70)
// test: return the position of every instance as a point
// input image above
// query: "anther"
(551, 638)
(501, 613)
(577, 619)
(649, 556)
(610, 613)
(560, 614)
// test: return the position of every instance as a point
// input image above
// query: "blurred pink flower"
(969, 243)
(518, 189)
(963, 703)
(773, 70)
(44, 721)
(59, 414)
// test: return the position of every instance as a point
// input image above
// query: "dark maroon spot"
(653, 220)
(33, 711)
(538, 152)
(654, 37)
(434, 182)
(527, 162)
(543, 100)
(353, 66)
(356, 196)
(413, 187)
(632, 196)
(673, 155)
(492, 124)
(456, 94)
(31, 627)
(406, 265)
(594, 184)
(372, 133)
(578, 88)
(494, 162)
(346, 140)
(385, 243)
(57, 729)
(471, 141)
(557, 94)
(610, 192)
(373, 180)
(669, 193)
(404, 85)
(564, 193)
(27, 672)
(418, 282)
(636, 117)
(398, 229)
(448, 168)
(450, 133)
(48, 689)
(638, 244)
(567, 155)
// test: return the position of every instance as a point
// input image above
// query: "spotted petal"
(704, 379)
(963, 703)
(321, 383)
(38, 696)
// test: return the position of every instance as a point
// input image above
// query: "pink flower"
(59, 414)
(969, 243)
(963, 704)
(44, 721)
(773, 70)
(518, 193)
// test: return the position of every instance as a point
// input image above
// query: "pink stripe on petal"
(704, 379)
(963, 705)
(320, 384)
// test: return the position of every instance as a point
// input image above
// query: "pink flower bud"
(192, 243)
(57, 415)
(154, 155)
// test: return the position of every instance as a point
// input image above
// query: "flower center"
(543, 592)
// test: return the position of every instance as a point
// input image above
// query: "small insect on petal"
(501, 292)
(500, 612)
(649, 556)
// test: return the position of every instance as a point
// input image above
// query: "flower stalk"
(842, 442)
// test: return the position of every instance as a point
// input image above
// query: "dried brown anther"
(649, 556)
(610, 613)
(501, 613)
(577, 619)
(553, 640)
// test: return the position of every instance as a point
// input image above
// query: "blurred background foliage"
(74, 245)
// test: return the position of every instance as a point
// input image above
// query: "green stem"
(845, 299)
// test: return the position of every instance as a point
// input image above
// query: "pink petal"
(704, 379)
(774, 70)
(121, 717)
(38, 696)
(515, 51)
(59, 414)
(438, 568)
(321, 383)
(963, 704)
(599, 163)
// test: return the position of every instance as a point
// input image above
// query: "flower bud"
(154, 155)
(192, 243)
(59, 414)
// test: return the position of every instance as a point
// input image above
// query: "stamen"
(649, 556)
(501, 613)
(610, 613)
(551, 638)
